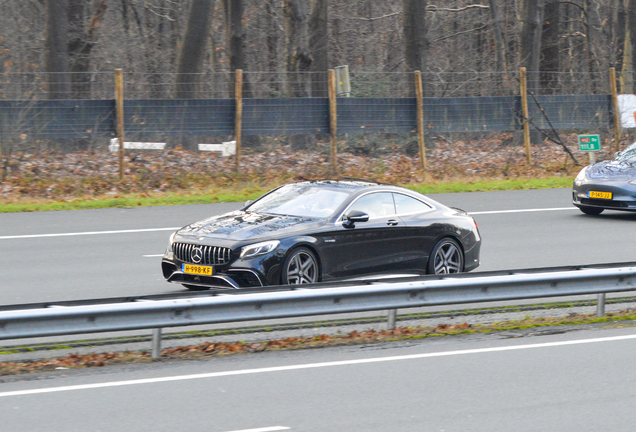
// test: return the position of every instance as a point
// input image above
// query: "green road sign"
(589, 143)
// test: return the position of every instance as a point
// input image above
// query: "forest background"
(62, 49)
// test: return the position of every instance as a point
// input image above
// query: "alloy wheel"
(448, 258)
(302, 268)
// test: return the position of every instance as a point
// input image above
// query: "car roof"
(349, 183)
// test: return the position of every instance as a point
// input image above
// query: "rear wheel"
(446, 257)
(300, 267)
(591, 210)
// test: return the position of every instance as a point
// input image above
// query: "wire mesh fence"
(220, 85)
(378, 118)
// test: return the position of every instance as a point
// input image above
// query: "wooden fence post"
(617, 118)
(524, 112)
(119, 103)
(333, 121)
(420, 117)
(238, 122)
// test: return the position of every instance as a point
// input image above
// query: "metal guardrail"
(370, 280)
(352, 297)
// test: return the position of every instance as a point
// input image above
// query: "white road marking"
(88, 233)
(176, 228)
(152, 256)
(312, 366)
(523, 210)
(265, 429)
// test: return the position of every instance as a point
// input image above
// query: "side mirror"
(618, 153)
(248, 202)
(349, 220)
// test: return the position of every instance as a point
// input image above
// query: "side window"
(375, 205)
(405, 205)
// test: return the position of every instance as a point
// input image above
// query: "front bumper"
(252, 272)
(623, 194)
(228, 278)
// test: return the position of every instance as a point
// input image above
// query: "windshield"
(301, 200)
(628, 155)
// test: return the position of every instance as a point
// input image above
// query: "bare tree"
(629, 59)
(236, 42)
(193, 49)
(298, 53)
(550, 46)
(415, 42)
(272, 41)
(299, 58)
(82, 38)
(501, 54)
(530, 40)
(56, 49)
(319, 44)
(616, 33)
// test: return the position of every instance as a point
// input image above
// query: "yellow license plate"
(601, 195)
(197, 269)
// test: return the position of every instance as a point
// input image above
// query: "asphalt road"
(579, 381)
(68, 255)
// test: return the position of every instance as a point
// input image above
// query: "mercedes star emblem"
(196, 255)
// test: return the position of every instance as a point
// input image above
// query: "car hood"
(613, 170)
(241, 225)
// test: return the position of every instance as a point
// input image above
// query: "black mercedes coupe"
(609, 184)
(323, 230)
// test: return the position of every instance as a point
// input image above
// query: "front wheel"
(446, 257)
(300, 267)
(594, 211)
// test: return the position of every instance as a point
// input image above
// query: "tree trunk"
(80, 43)
(617, 34)
(590, 20)
(530, 41)
(550, 47)
(530, 51)
(56, 49)
(236, 42)
(193, 48)
(415, 42)
(299, 59)
(272, 46)
(501, 57)
(627, 77)
(319, 43)
(298, 54)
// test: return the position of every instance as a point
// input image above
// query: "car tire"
(300, 267)
(446, 257)
(195, 287)
(594, 211)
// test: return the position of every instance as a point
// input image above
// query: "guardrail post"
(600, 305)
(392, 317)
(156, 343)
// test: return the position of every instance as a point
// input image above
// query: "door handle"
(392, 222)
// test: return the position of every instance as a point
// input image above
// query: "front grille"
(210, 255)
(604, 203)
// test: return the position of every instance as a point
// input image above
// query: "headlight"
(259, 248)
(581, 175)
(169, 254)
